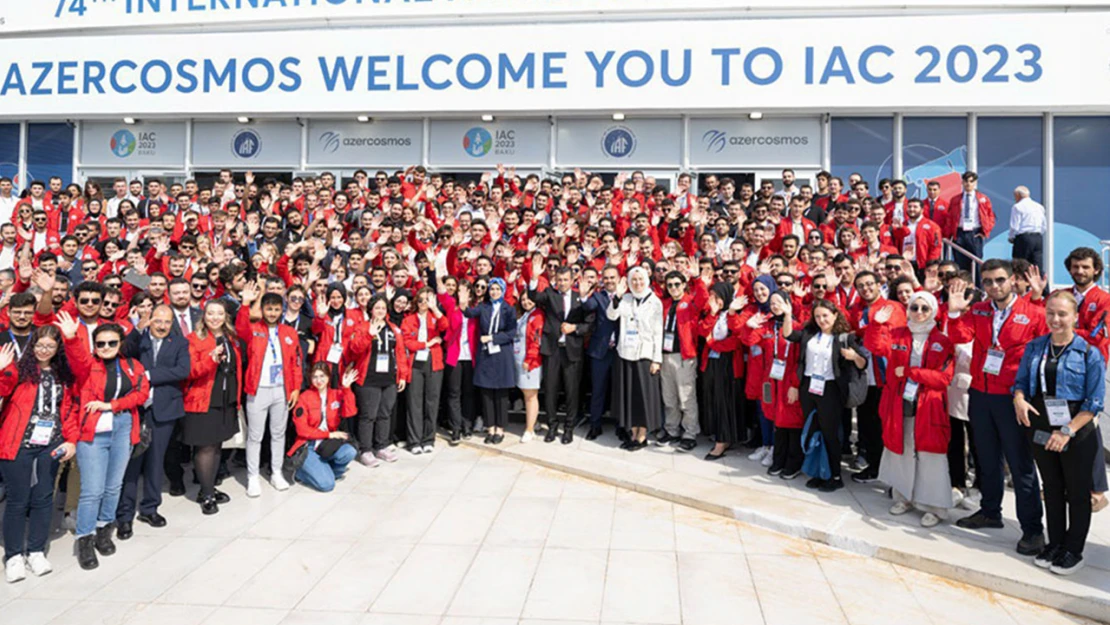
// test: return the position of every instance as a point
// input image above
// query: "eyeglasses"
(103, 344)
(786, 284)
(296, 298)
(674, 285)
(994, 281)
(916, 308)
(43, 346)
(85, 301)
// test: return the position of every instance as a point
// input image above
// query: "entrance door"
(801, 177)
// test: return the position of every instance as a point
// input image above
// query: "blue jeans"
(766, 426)
(103, 463)
(998, 435)
(321, 474)
(28, 506)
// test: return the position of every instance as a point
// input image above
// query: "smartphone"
(1041, 437)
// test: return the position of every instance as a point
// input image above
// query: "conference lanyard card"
(381, 365)
(275, 374)
(778, 369)
(42, 432)
(493, 348)
(767, 396)
(335, 354)
(993, 364)
(910, 392)
(668, 341)
(422, 355)
(1058, 412)
(817, 386)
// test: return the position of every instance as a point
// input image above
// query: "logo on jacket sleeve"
(335, 405)
(1021, 320)
(937, 347)
(288, 340)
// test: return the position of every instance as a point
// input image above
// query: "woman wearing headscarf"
(724, 416)
(913, 408)
(494, 370)
(334, 324)
(758, 313)
(637, 399)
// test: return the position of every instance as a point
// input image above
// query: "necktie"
(967, 207)
(185, 323)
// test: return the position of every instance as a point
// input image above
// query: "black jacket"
(839, 363)
(550, 302)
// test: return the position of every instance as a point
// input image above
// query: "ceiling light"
(618, 117)
(487, 118)
(242, 119)
(363, 119)
(755, 115)
(130, 121)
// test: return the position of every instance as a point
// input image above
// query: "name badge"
(335, 354)
(381, 364)
(493, 348)
(275, 374)
(778, 369)
(757, 350)
(422, 355)
(910, 392)
(42, 432)
(817, 386)
(104, 424)
(1058, 412)
(993, 364)
(714, 355)
(668, 341)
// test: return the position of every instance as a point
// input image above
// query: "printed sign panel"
(749, 143)
(242, 146)
(464, 143)
(629, 143)
(105, 144)
(377, 144)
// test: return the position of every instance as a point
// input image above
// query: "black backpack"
(857, 380)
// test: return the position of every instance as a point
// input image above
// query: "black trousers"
(495, 407)
(961, 451)
(788, 454)
(460, 404)
(1066, 477)
(375, 411)
(830, 410)
(151, 466)
(423, 394)
(177, 454)
(870, 428)
(1030, 246)
(560, 372)
(972, 242)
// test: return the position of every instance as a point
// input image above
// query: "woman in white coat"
(637, 400)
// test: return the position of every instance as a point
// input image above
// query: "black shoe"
(637, 445)
(711, 457)
(622, 434)
(497, 438)
(153, 519)
(467, 434)
(686, 445)
(1066, 563)
(552, 434)
(488, 439)
(568, 435)
(123, 530)
(103, 540)
(456, 438)
(1047, 556)
(664, 439)
(829, 486)
(774, 471)
(814, 482)
(208, 506)
(221, 496)
(86, 553)
(593, 433)
(177, 489)
(979, 520)
(865, 476)
(790, 476)
(1030, 545)
(626, 444)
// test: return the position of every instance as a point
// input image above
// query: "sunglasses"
(108, 304)
(84, 301)
(92, 268)
(296, 298)
(674, 285)
(892, 267)
(728, 272)
(919, 308)
(820, 287)
(994, 281)
(199, 286)
(103, 344)
(785, 285)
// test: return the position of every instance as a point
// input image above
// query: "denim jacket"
(1080, 376)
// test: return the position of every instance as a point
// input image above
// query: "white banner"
(21, 16)
(106, 144)
(264, 144)
(521, 142)
(383, 143)
(633, 142)
(734, 141)
(1021, 62)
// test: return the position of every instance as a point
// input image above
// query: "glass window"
(9, 153)
(933, 148)
(1082, 166)
(1011, 153)
(49, 152)
(863, 145)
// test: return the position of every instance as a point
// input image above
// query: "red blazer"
(1025, 323)
(91, 378)
(762, 342)
(937, 210)
(955, 210)
(202, 375)
(306, 414)
(17, 411)
(358, 351)
(689, 310)
(786, 227)
(76, 217)
(926, 241)
(410, 330)
(931, 430)
(860, 318)
(255, 335)
(533, 336)
(731, 342)
(323, 328)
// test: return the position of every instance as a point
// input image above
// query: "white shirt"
(271, 357)
(464, 342)
(111, 209)
(185, 320)
(969, 212)
(7, 256)
(819, 355)
(1027, 216)
(566, 313)
(7, 208)
(899, 210)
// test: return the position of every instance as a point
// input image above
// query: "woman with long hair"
(378, 355)
(423, 335)
(493, 363)
(462, 345)
(212, 399)
(316, 417)
(112, 389)
(529, 362)
(38, 429)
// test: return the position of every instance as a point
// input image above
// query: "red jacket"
(17, 411)
(861, 316)
(410, 330)
(731, 342)
(306, 414)
(359, 351)
(92, 376)
(75, 217)
(533, 336)
(955, 211)
(937, 210)
(765, 342)
(256, 336)
(202, 373)
(786, 227)
(926, 241)
(324, 328)
(931, 431)
(1025, 322)
(689, 309)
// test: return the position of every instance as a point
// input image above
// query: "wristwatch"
(1066, 431)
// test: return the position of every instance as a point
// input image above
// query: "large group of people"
(159, 327)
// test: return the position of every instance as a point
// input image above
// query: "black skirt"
(201, 429)
(723, 411)
(637, 398)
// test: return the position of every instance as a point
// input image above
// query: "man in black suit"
(565, 326)
(165, 356)
(186, 317)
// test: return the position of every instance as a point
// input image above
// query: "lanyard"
(383, 343)
(1044, 361)
(15, 343)
(339, 328)
(672, 317)
(775, 341)
(270, 341)
(45, 389)
(119, 380)
(997, 322)
(495, 319)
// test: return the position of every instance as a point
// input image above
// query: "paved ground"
(465, 537)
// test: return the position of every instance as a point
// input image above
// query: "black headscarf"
(342, 290)
(396, 317)
(724, 291)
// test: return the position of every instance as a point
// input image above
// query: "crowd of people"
(161, 327)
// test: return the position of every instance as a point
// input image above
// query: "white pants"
(680, 400)
(269, 402)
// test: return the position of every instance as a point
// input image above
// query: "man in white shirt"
(1027, 227)
(8, 200)
(120, 188)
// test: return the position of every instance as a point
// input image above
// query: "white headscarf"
(924, 328)
(647, 280)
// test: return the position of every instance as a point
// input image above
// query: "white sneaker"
(768, 458)
(39, 564)
(900, 507)
(278, 482)
(416, 450)
(428, 449)
(527, 436)
(15, 569)
(971, 500)
(254, 488)
(957, 497)
(930, 520)
(758, 454)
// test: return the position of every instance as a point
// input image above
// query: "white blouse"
(819, 355)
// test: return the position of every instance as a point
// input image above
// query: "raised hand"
(757, 320)
(883, 315)
(7, 355)
(349, 377)
(67, 324)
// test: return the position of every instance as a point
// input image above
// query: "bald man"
(1028, 225)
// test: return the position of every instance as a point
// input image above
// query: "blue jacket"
(604, 329)
(498, 370)
(1080, 376)
(167, 376)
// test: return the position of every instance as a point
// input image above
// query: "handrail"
(976, 262)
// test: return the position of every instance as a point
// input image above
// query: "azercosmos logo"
(331, 140)
(717, 140)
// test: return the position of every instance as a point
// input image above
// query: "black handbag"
(295, 462)
(857, 380)
(328, 448)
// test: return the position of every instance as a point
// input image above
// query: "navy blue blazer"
(494, 370)
(605, 329)
(167, 376)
